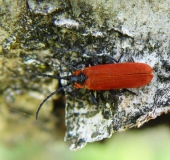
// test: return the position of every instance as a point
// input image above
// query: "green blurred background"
(149, 144)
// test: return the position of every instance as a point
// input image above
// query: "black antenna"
(50, 95)
(51, 76)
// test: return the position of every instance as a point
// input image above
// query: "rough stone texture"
(44, 36)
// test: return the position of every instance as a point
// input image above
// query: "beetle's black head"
(80, 78)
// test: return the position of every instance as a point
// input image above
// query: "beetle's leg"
(75, 92)
(93, 97)
(89, 63)
(132, 60)
(122, 92)
(116, 61)
(113, 59)
(127, 90)
(92, 61)
(120, 58)
(100, 95)
(114, 93)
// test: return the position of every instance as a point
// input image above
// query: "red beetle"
(112, 76)
(107, 77)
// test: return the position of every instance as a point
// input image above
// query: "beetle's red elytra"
(106, 77)
(114, 76)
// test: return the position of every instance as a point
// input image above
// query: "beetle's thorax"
(80, 78)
